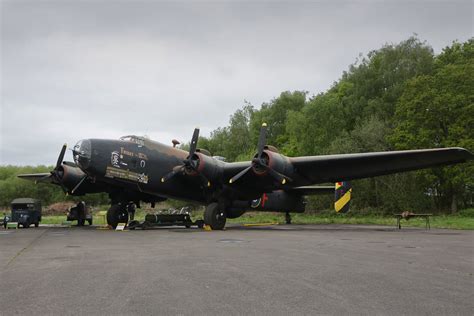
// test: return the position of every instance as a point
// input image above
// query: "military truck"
(25, 211)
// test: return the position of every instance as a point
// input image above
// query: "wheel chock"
(207, 227)
(120, 226)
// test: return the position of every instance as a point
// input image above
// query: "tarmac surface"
(282, 270)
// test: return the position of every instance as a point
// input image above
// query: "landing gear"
(288, 218)
(131, 210)
(215, 216)
(117, 213)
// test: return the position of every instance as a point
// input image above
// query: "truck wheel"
(80, 222)
(215, 216)
(37, 224)
(90, 222)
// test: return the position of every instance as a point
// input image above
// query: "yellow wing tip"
(264, 124)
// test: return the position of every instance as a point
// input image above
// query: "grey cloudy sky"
(81, 69)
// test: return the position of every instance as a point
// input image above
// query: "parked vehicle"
(80, 213)
(25, 211)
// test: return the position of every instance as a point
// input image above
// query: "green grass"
(463, 220)
(441, 221)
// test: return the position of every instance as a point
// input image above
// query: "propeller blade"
(174, 172)
(61, 156)
(262, 139)
(240, 174)
(278, 176)
(44, 178)
(194, 140)
(79, 184)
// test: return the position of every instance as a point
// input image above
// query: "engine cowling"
(275, 161)
(69, 176)
(207, 166)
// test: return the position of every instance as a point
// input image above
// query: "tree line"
(401, 96)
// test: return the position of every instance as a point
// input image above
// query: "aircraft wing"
(44, 177)
(333, 168)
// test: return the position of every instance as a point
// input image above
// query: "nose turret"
(82, 153)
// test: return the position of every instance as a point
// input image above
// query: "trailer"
(171, 217)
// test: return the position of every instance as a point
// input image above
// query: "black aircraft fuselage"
(136, 169)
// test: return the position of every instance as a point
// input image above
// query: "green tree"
(438, 111)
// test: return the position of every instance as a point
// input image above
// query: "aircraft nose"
(83, 153)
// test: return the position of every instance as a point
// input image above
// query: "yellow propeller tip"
(264, 124)
(208, 183)
(162, 180)
(230, 181)
(283, 181)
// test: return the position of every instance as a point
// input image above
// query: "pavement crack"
(18, 254)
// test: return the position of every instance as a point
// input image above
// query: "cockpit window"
(82, 153)
(140, 140)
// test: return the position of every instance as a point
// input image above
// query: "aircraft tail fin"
(342, 197)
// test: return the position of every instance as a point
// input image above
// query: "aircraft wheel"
(80, 222)
(215, 216)
(117, 214)
(36, 224)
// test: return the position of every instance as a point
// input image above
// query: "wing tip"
(466, 154)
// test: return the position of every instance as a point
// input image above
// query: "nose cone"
(83, 153)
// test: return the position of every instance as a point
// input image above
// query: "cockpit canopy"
(140, 140)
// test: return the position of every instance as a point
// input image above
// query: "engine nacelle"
(70, 176)
(207, 166)
(275, 161)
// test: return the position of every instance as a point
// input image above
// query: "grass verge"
(463, 220)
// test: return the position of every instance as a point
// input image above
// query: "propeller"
(190, 164)
(56, 172)
(260, 161)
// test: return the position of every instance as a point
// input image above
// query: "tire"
(90, 222)
(117, 214)
(215, 216)
(37, 224)
(80, 222)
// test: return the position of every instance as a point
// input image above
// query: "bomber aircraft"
(137, 169)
